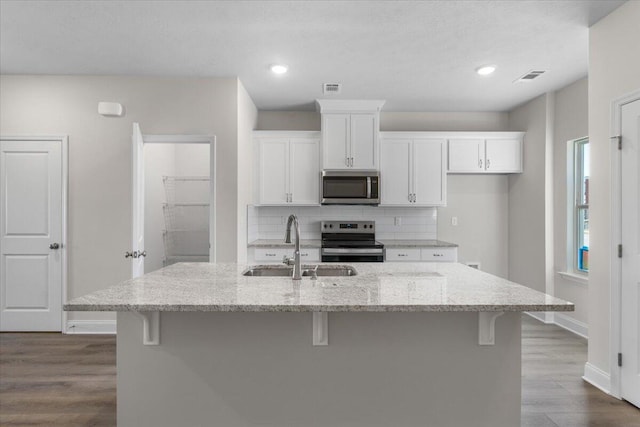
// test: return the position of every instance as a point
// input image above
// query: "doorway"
(33, 244)
(174, 200)
(625, 328)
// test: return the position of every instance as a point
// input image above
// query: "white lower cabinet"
(408, 254)
(276, 255)
(437, 254)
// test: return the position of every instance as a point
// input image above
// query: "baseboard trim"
(597, 377)
(91, 327)
(572, 325)
(542, 316)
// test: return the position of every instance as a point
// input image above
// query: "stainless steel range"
(353, 241)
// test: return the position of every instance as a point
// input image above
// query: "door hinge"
(619, 251)
(619, 139)
(619, 359)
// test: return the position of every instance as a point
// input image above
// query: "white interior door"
(137, 263)
(630, 272)
(31, 232)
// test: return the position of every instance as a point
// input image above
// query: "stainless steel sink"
(307, 270)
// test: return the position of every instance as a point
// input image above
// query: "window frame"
(575, 204)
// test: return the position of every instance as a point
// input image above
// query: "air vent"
(332, 88)
(529, 76)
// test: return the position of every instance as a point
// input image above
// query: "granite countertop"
(377, 287)
(273, 243)
(417, 244)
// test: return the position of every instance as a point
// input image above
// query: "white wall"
(247, 122)
(527, 251)
(571, 122)
(100, 155)
(479, 202)
(614, 70)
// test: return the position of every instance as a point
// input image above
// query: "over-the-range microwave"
(350, 187)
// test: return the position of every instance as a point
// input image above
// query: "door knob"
(54, 246)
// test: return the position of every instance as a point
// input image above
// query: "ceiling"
(419, 56)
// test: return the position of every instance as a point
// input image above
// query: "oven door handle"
(368, 187)
(355, 251)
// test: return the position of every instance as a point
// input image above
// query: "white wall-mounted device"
(110, 109)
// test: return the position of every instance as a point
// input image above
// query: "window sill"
(574, 277)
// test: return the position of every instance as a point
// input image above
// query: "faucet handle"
(287, 260)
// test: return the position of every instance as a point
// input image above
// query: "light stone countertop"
(273, 243)
(378, 287)
(417, 244)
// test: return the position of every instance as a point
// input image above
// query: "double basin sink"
(307, 271)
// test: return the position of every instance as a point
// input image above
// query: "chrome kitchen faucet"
(297, 263)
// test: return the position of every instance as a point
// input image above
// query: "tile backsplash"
(267, 222)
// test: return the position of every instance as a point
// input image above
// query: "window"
(580, 211)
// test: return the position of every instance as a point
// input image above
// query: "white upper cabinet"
(304, 171)
(350, 134)
(494, 152)
(288, 170)
(336, 137)
(395, 171)
(429, 172)
(503, 155)
(412, 170)
(364, 141)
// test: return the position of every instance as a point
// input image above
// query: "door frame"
(615, 328)
(138, 182)
(64, 142)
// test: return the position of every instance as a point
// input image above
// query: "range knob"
(325, 226)
(330, 225)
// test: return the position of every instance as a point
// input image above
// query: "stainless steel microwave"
(350, 187)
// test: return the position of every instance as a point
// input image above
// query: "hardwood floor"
(50, 379)
(553, 392)
(55, 380)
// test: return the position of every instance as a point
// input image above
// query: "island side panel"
(260, 369)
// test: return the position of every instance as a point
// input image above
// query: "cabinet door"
(304, 162)
(335, 141)
(503, 155)
(395, 171)
(274, 171)
(429, 174)
(364, 140)
(466, 155)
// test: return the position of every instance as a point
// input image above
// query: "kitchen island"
(411, 344)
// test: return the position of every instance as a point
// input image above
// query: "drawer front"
(308, 254)
(440, 254)
(276, 254)
(408, 254)
(271, 254)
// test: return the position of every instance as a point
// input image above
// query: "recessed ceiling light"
(279, 68)
(486, 70)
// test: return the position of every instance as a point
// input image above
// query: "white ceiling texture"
(418, 55)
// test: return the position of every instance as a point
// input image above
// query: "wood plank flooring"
(70, 380)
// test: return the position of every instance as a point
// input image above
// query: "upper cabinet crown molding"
(349, 105)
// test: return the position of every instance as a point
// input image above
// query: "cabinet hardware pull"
(480, 163)
(352, 162)
(346, 160)
(488, 163)
(54, 246)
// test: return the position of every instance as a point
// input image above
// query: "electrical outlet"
(398, 221)
(454, 220)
